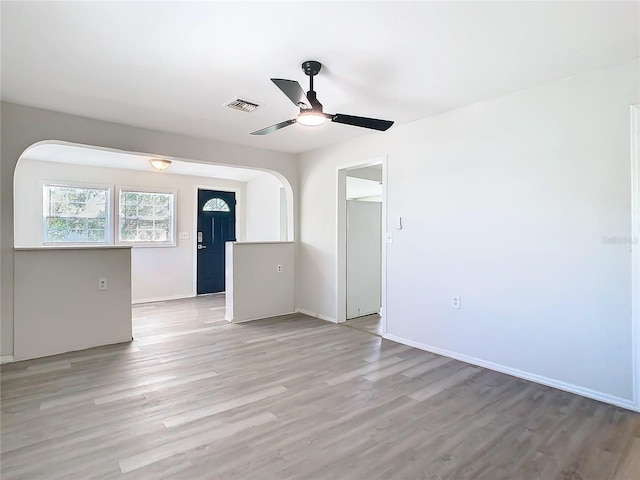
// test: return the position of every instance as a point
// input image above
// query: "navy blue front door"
(216, 225)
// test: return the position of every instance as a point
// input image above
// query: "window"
(76, 214)
(145, 217)
(215, 205)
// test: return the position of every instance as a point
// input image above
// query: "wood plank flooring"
(194, 397)
(368, 323)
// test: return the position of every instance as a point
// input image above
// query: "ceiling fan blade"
(294, 91)
(365, 122)
(275, 127)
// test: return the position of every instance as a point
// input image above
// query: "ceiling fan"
(311, 109)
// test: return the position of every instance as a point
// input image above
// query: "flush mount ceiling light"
(159, 163)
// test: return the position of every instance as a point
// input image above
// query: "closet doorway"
(361, 253)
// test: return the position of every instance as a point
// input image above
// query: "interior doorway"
(361, 250)
(364, 245)
(264, 210)
(216, 226)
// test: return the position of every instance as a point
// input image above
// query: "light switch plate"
(183, 235)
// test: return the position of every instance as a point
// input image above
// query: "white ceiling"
(372, 172)
(172, 65)
(95, 157)
(358, 188)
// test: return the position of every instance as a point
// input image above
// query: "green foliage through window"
(145, 217)
(75, 214)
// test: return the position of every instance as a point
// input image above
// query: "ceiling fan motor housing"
(313, 100)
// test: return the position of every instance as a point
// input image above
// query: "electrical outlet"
(455, 301)
(102, 283)
(279, 268)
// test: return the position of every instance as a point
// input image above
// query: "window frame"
(82, 185)
(173, 227)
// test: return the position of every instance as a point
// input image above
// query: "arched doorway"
(164, 257)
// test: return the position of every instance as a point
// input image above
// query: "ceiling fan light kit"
(311, 112)
(310, 118)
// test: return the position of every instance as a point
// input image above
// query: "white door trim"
(341, 238)
(635, 251)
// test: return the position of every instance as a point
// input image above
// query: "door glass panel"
(216, 205)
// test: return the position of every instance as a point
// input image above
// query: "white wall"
(58, 306)
(157, 272)
(255, 288)
(505, 203)
(364, 233)
(24, 126)
(263, 209)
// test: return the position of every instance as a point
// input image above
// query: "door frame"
(341, 239)
(635, 252)
(240, 215)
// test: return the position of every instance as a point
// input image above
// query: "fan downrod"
(311, 67)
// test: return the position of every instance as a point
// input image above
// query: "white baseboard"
(6, 359)
(567, 387)
(161, 299)
(316, 315)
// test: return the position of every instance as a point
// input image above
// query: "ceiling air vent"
(242, 104)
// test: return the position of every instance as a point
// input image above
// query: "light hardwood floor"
(368, 323)
(194, 397)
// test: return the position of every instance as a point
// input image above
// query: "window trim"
(87, 186)
(173, 229)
